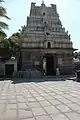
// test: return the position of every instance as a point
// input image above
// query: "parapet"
(33, 4)
(53, 6)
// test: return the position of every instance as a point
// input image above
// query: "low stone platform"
(53, 100)
(28, 74)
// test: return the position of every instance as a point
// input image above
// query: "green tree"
(5, 47)
(16, 41)
(14, 47)
(9, 48)
(3, 13)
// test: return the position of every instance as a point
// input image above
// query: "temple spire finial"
(42, 1)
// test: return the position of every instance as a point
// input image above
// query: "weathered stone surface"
(40, 98)
(42, 35)
(38, 111)
(59, 117)
(54, 102)
(51, 110)
(11, 106)
(43, 118)
(45, 103)
(58, 106)
(63, 108)
(73, 116)
(29, 119)
(10, 115)
(34, 105)
(25, 114)
(22, 106)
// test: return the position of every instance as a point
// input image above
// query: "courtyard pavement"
(49, 100)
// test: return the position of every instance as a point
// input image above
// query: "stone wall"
(44, 34)
(33, 59)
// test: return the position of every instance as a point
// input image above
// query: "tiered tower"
(44, 37)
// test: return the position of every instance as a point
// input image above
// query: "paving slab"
(38, 111)
(51, 110)
(25, 114)
(59, 117)
(43, 118)
(47, 100)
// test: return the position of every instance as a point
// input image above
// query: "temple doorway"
(9, 69)
(49, 64)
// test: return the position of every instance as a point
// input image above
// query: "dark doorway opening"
(49, 45)
(9, 69)
(50, 64)
(44, 13)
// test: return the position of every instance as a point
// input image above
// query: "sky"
(68, 10)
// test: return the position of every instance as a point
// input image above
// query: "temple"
(44, 38)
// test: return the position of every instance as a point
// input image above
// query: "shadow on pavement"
(5, 78)
(36, 80)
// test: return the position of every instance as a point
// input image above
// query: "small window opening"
(47, 33)
(44, 13)
(45, 22)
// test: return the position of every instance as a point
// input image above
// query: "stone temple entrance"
(41, 37)
(50, 70)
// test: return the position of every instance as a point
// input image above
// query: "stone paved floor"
(40, 101)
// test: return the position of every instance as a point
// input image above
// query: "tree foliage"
(9, 47)
(3, 13)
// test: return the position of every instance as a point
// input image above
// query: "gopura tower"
(44, 37)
